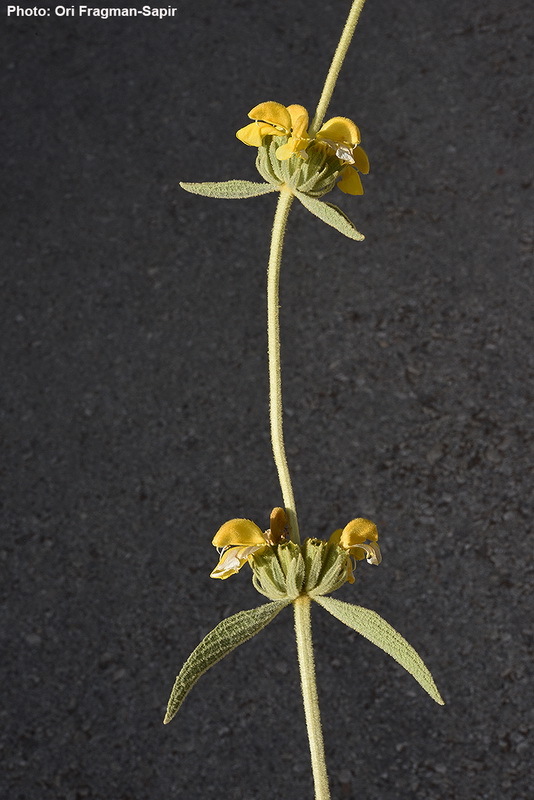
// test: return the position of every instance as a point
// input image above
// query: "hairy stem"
(335, 66)
(275, 370)
(303, 633)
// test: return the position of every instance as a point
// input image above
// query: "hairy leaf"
(224, 638)
(330, 214)
(229, 190)
(379, 632)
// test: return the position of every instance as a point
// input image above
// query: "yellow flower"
(240, 539)
(342, 135)
(353, 538)
(274, 119)
(270, 119)
(299, 139)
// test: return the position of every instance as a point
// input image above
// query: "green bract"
(379, 632)
(224, 638)
(330, 214)
(229, 190)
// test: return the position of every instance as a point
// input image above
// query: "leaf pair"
(235, 190)
(241, 627)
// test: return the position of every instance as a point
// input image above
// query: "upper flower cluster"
(337, 142)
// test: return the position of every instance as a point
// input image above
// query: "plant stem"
(275, 370)
(303, 633)
(302, 604)
(273, 283)
(335, 66)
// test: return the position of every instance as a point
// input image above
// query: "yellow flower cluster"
(240, 540)
(339, 135)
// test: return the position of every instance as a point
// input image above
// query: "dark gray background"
(134, 405)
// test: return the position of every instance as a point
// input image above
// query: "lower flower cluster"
(282, 569)
(314, 568)
(284, 572)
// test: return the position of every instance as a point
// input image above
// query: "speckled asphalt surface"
(134, 412)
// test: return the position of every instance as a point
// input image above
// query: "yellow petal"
(293, 147)
(299, 121)
(238, 532)
(361, 162)
(286, 150)
(273, 113)
(357, 531)
(336, 536)
(232, 560)
(340, 129)
(350, 182)
(250, 135)
(266, 129)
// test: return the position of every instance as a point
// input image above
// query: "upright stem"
(275, 370)
(302, 604)
(309, 693)
(335, 66)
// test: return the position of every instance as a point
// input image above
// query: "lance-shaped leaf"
(229, 190)
(379, 632)
(224, 638)
(330, 214)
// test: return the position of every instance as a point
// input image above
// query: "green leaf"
(330, 214)
(224, 638)
(229, 190)
(379, 632)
